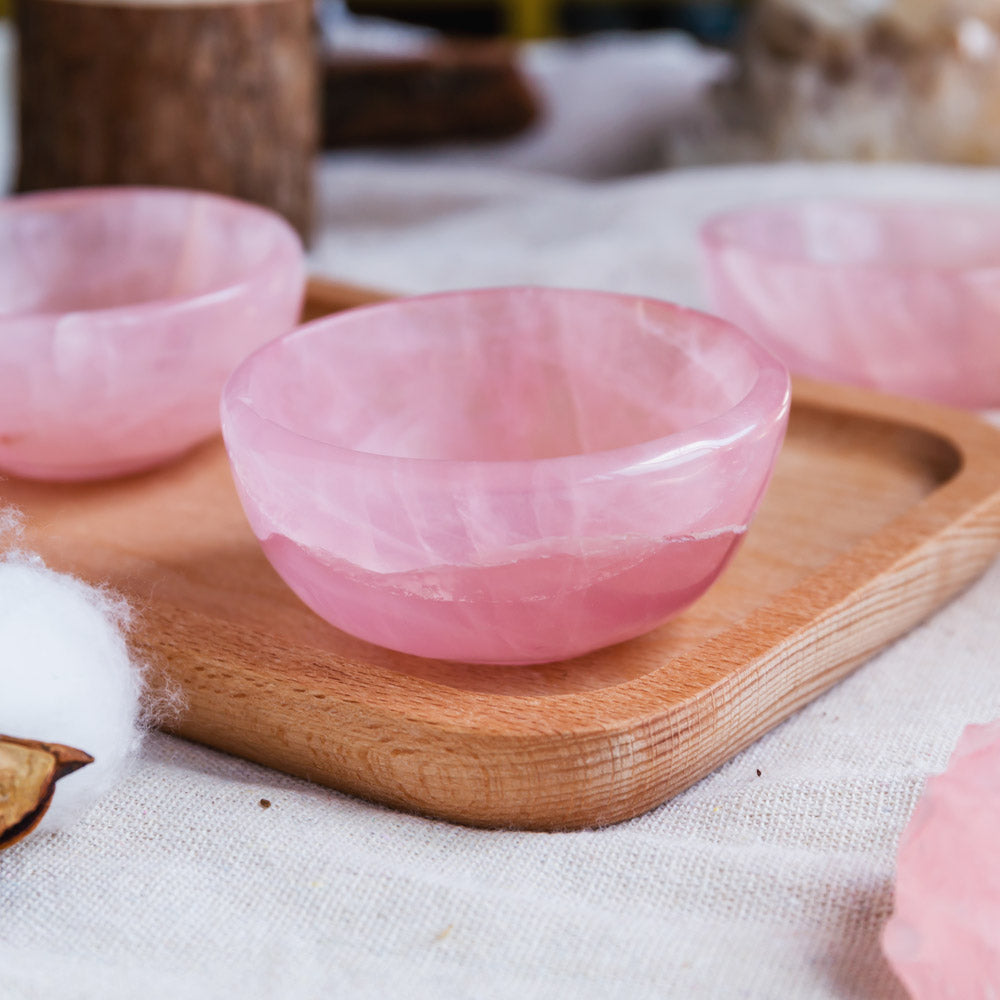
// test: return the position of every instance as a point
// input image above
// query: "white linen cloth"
(771, 885)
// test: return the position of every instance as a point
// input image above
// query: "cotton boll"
(66, 676)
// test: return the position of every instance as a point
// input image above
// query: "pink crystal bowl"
(122, 313)
(504, 476)
(894, 296)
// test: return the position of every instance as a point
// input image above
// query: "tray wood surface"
(880, 510)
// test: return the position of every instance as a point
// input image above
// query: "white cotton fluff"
(65, 673)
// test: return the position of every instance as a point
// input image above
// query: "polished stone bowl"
(899, 297)
(504, 476)
(122, 312)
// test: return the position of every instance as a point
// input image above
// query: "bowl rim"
(766, 401)
(285, 236)
(714, 238)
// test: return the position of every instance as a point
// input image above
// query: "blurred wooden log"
(216, 96)
(457, 90)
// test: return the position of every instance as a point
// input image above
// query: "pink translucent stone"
(122, 312)
(898, 297)
(506, 476)
(944, 936)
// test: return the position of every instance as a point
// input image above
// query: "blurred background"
(714, 21)
(736, 80)
(588, 89)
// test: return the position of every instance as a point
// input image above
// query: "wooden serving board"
(880, 510)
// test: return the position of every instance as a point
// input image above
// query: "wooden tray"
(880, 510)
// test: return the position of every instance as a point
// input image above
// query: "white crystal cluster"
(911, 80)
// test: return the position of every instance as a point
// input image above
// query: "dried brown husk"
(29, 771)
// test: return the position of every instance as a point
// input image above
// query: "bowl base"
(542, 608)
(61, 472)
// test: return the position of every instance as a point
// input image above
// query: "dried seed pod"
(29, 771)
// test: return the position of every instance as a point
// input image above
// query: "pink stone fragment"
(899, 297)
(122, 313)
(504, 476)
(943, 939)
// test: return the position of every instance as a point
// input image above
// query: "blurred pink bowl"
(504, 476)
(122, 312)
(899, 297)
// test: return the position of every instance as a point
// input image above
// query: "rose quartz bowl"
(504, 476)
(122, 312)
(899, 297)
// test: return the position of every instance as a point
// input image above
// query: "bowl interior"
(505, 374)
(949, 237)
(105, 248)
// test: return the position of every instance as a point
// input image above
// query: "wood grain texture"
(880, 510)
(221, 97)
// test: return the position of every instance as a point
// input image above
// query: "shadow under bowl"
(895, 296)
(122, 313)
(510, 475)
